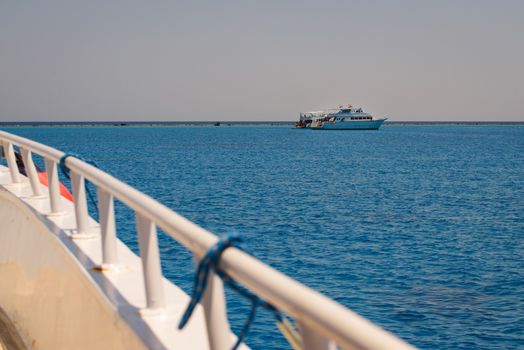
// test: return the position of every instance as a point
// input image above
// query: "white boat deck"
(119, 287)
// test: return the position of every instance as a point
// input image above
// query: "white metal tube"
(35, 147)
(53, 186)
(148, 244)
(106, 212)
(80, 202)
(31, 172)
(214, 303)
(11, 162)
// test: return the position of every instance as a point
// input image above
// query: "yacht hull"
(351, 125)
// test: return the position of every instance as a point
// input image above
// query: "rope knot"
(63, 167)
(211, 260)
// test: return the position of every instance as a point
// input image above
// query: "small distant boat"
(342, 118)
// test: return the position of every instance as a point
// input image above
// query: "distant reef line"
(228, 123)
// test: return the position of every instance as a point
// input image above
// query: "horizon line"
(233, 121)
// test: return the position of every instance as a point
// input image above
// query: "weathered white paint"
(11, 160)
(80, 203)
(53, 186)
(148, 244)
(106, 212)
(32, 173)
(214, 303)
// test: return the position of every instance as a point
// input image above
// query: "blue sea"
(418, 228)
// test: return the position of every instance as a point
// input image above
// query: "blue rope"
(67, 173)
(211, 261)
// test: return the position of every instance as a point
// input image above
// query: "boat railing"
(322, 322)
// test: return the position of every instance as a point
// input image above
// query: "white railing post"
(214, 303)
(32, 174)
(106, 213)
(53, 186)
(80, 202)
(314, 341)
(11, 162)
(148, 245)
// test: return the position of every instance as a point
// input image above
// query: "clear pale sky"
(260, 60)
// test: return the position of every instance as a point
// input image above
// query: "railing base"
(41, 196)
(85, 235)
(145, 312)
(55, 214)
(15, 185)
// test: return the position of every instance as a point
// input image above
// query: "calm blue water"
(418, 228)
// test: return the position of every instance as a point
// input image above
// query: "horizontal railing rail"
(322, 322)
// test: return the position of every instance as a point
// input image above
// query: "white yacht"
(67, 281)
(342, 118)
